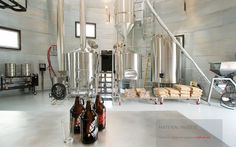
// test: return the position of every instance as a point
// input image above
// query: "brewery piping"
(82, 25)
(60, 34)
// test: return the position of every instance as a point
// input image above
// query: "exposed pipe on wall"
(82, 25)
(160, 21)
(60, 34)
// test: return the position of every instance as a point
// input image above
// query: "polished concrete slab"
(124, 129)
(202, 114)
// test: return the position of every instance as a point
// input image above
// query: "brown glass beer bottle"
(75, 113)
(100, 109)
(88, 125)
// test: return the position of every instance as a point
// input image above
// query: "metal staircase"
(105, 85)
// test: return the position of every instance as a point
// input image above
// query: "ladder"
(105, 85)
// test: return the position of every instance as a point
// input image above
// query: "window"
(180, 38)
(10, 38)
(90, 30)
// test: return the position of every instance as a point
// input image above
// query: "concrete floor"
(215, 119)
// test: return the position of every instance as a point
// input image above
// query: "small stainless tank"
(124, 16)
(10, 69)
(25, 69)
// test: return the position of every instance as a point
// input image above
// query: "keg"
(25, 69)
(10, 69)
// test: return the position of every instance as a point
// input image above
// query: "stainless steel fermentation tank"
(87, 65)
(81, 67)
(164, 60)
(124, 17)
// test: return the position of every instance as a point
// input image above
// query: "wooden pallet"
(161, 99)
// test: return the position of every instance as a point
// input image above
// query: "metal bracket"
(212, 86)
(15, 6)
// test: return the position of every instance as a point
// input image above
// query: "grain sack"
(145, 95)
(172, 91)
(182, 87)
(160, 92)
(140, 90)
(185, 92)
(130, 93)
(196, 89)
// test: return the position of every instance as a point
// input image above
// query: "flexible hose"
(50, 68)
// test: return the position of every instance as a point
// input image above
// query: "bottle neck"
(77, 100)
(98, 100)
(88, 106)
